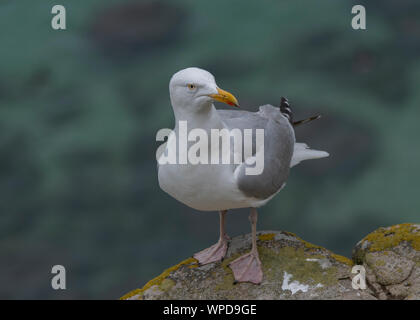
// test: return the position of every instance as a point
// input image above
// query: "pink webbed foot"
(247, 268)
(214, 253)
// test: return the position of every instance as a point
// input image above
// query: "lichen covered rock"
(391, 257)
(293, 269)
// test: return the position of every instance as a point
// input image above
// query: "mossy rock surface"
(293, 269)
(391, 257)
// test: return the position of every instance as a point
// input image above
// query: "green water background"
(79, 110)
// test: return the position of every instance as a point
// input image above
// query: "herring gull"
(219, 187)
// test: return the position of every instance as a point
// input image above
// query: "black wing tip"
(285, 109)
(298, 123)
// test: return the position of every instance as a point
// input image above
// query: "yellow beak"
(225, 97)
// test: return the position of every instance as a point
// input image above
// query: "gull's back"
(279, 142)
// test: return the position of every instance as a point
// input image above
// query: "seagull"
(224, 186)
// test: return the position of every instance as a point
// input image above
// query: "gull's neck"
(207, 118)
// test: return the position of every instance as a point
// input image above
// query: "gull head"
(195, 89)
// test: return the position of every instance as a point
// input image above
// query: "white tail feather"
(302, 152)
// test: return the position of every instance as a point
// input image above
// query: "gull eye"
(191, 86)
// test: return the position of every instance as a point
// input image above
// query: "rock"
(293, 269)
(296, 269)
(391, 257)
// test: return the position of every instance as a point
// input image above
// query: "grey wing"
(229, 114)
(279, 142)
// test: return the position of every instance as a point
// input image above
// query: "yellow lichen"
(287, 233)
(342, 259)
(384, 238)
(228, 278)
(159, 279)
(131, 294)
(309, 245)
(295, 261)
(315, 247)
(166, 284)
(381, 263)
(266, 236)
(276, 262)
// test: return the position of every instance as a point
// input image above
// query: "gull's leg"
(217, 251)
(247, 268)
